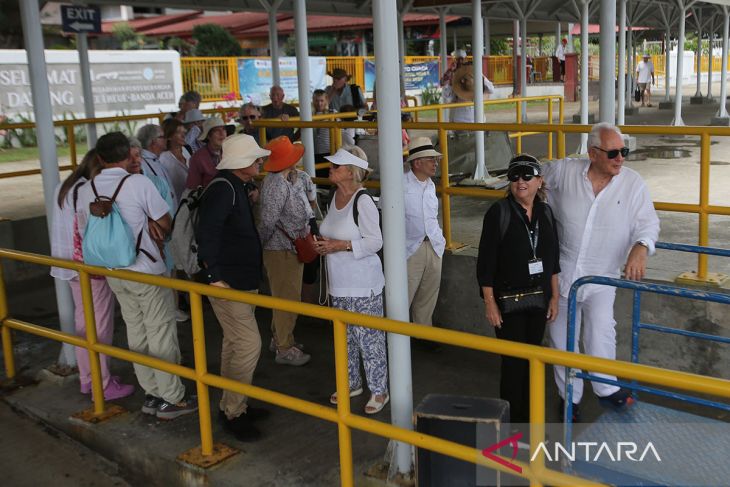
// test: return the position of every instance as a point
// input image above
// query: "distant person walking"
(560, 52)
(645, 79)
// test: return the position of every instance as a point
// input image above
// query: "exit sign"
(80, 19)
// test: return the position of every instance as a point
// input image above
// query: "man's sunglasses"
(613, 153)
(516, 176)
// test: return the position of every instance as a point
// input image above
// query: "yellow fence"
(346, 421)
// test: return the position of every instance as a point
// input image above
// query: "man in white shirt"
(458, 87)
(645, 79)
(605, 219)
(560, 54)
(425, 242)
(148, 311)
(153, 143)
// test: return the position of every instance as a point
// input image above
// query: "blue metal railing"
(638, 287)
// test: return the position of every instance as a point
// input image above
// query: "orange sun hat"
(284, 154)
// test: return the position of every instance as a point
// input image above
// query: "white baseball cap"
(344, 158)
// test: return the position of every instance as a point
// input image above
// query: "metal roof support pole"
(83, 47)
(271, 9)
(570, 37)
(515, 40)
(43, 114)
(680, 65)
(477, 42)
(623, 100)
(667, 76)
(557, 35)
(401, 50)
(523, 65)
(305, 95)
(607, 101)
(709, 57)
(487, 38)
(629, 64)
(394, 236)
(363, 44)
(443, 49)
(722, 112)
(584, 74)
(698, 55)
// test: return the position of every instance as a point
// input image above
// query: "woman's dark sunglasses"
(613, 153)
(334, 166)
(516, 176)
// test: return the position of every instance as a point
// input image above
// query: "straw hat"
(194, 115)
(240, 151)
(338, 73)
(212, 123)
(463, 82)
(284, 154)
(344, 158)
(421, 147)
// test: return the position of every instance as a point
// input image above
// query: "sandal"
(353, 393)
(376, 403)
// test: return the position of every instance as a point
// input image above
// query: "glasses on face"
(430, 160)
(334, 166)
(516, 176)
(613, 153)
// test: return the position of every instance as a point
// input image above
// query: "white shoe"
(181, 315)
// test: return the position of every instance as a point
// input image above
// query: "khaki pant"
(240, 352)
(424, 281)
(285, 279)
(149, 312)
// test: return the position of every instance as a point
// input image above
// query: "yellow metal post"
(343, 404)
(550, 134)
(87, 298)
(71, 137)
(201, 369)
(518, 107)
(338, 139)
(561, 134)
(537, 414)
(333, 140)
(262, 136)
(7, 333)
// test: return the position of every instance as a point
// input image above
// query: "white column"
(607, 102)
(515, 42)
(401, 51)
(698, 60)
(273, 40)
(621, 90)
(628, 92)
(722, 111)
(83, 46)
(305, 94)
(584, 74)
(570, 38)
(487, 38)
(43, 114)
(667, 77)
(364, 44)
(523, 66)
(680, 66)
(477, 41)
(455, 42)
(394, 238)
(557, 35)
(443, 49)
(709, 57)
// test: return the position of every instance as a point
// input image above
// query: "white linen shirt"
(177, 172)
(137, 200)
(422, 208)
(358, 273)
(644, 71)
(62, 231)
(596, 232)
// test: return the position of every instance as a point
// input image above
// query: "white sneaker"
(181, 315)
(292, 356)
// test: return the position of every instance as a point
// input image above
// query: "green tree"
(126, 37)
(214, 40)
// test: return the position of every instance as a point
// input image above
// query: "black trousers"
(514, 386)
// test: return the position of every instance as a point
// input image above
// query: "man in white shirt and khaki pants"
(425, 242)
(606, 220)
(645, 79)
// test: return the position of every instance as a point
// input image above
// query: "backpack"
(357, 100)
(108, 241)
(505, 212)
(183, 245)
(356, 213)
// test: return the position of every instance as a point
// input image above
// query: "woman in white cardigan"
(354, 272)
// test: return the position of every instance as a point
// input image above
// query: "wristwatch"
(643, 244)
(349, 246)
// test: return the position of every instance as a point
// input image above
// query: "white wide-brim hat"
(240, 151)
(194, 115)
(212, 123)
(421, 147)
(344, 158)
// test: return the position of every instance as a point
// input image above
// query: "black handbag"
(637, 94)
(517, 300)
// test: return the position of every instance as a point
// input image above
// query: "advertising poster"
(255, 78)
(417, 75)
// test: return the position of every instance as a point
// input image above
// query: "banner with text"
(255, 78)
(417, 76)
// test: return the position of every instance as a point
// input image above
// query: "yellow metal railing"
(215, 78)
(346, 421)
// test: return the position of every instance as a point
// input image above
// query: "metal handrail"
(537, 355)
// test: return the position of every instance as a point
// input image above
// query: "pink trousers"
(104, 315)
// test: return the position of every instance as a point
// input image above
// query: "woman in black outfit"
(517, 270)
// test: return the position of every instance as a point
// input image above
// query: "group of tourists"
(560, 221)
